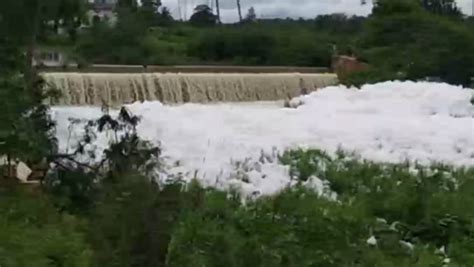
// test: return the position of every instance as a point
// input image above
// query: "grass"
(383, 215)
(416, 215)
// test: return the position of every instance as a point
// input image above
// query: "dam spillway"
(115, 89)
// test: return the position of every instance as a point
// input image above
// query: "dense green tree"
(149, 10)
(133, 222)
(69, 15)
(340, 24)
(34, 234)
(25, 21)
(203, 16)
(248, 47)
(442, 7)
(26, 128)
(165, 18)
(412, 43)
(127, 4)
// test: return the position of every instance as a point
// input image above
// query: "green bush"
(294, 228)
(402, 37)
(32, 233)
(423, 205)
(371, 76)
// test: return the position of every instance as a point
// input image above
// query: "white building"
(102, 10)
(50, 58)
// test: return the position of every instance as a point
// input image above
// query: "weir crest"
(115, 89)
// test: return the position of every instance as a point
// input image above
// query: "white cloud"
(286, 8)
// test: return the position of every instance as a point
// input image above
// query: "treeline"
(401, 40)
(407, 40)
(266, 42)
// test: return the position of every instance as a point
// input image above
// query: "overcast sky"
(286, 8)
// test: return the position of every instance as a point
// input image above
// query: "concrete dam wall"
(115, 89)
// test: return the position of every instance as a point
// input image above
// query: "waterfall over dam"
(115, 89)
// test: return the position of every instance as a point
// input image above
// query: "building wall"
(49, 58)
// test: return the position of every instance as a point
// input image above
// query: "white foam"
(386, 122)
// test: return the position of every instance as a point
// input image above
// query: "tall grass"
(384, 215)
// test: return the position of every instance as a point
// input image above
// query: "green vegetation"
(401, 40)
(260, 43)
(33, 233)
(114, 213)
(383, 215)
(406, 41)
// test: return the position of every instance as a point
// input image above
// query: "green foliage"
(72, 190)
(124, 217)
(371, 76)
(294, 228)
(130, 37)
(279, 42)
(132, 222)
(24, 20)
(442, 7)
(25, 128)
(34, 234)
(75, 186)
(423, 206)
(403, 39)
(251, 46)
(203, 16)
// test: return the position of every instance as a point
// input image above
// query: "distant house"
(50, 58)
(102, 10)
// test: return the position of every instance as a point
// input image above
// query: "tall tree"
(203, 16)
(24, 122)
(251, 15)
(149, 11)
(24, 20)
(165, 17)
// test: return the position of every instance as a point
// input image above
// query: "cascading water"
(115, 89)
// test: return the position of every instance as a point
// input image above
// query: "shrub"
(34, 234)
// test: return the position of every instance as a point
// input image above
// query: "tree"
(23, 21)
(442, 7)
(149, 11)
(69, 15)
(165, 18)
(339, 23)
(251, 15)
(34, 234)
(26, 127)
(203, 16)
(402, 38)
(127, 4)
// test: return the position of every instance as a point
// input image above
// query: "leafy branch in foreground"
(75, 182)
(127, 152)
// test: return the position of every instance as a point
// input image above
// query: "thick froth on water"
(117, 89)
